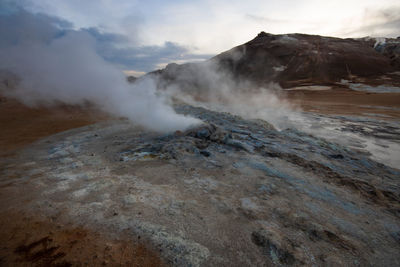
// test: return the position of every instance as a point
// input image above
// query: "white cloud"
(214, 26)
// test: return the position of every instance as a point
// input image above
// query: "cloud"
(211, 26)
(55, 65)
(148, 58)
(29, 28)
(382, 23)
(117, 49)
(262, 19)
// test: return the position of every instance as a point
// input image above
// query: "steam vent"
(119, 148)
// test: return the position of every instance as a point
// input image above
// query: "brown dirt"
(21, 125)
(30, 241)
(342, 101)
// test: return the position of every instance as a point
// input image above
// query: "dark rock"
(203, 133)
(240, 145)
(205, 153)
(201, 144)
(272, 250)
(337, 156)
(220, 136)
(396, 236)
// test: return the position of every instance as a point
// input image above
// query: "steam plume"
(208, 85)
(57, 65)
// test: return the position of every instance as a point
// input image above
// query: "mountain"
(294, 60)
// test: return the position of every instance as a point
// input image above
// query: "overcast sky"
(141, 36)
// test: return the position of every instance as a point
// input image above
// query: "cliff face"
(295, 59)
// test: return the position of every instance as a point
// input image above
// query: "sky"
(141, 36)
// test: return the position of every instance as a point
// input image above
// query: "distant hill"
(293, 60)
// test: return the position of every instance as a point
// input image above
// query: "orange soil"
(30, 241)
(21, 125)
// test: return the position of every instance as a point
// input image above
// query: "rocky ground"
(232, 192)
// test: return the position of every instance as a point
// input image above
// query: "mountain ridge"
(295, 60)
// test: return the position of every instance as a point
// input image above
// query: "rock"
(220, 136)
(240, 145)
(249, 204)
(337, 156)
(275, 253)
(203, 133)
(266, 190)
(205, 153)
(396, 236)
(201, 144)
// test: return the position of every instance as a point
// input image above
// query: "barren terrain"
(109, 194)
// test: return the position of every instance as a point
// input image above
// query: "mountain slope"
(293, 60)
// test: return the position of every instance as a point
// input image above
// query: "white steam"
(67, 69)
(207, 85)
